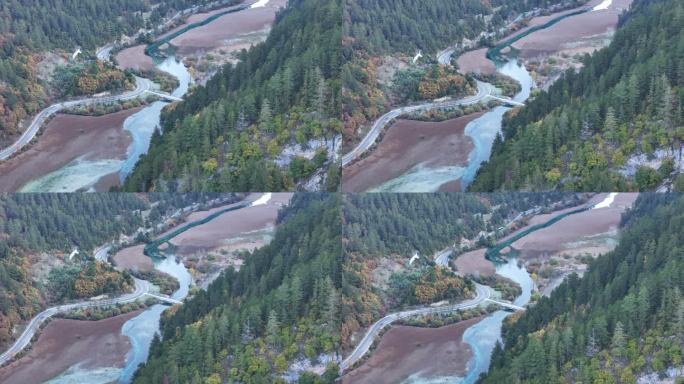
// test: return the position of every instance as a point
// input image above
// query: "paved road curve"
(483, 294)
(142, 287)
(484, 90)
(141, 86)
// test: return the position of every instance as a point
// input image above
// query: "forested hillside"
(31, 224)
(229, 134)
(377, 224)
(29, 29)
(251, 324)
(622, 320)
(382, 232)
(377, 29)
(593, 129)
(31, 26)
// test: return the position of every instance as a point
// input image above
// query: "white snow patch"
(263, 199)
(413, 258)
(260, 3)
(604, 5)
(607, 201)
(73, 253)
(418, 56)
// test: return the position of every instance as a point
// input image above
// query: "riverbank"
(65, 139)
(563, 248)
(574, 34)
(549, 52)
(431, 353)
(89, 162)
(66, 346)
(225, 31)
(133, 258)
(566, 247)
(408, 144)
(209, 248)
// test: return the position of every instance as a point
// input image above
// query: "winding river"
(82, 174)
(482, 337)
(140, 330)
(141, 125)
(482, 131)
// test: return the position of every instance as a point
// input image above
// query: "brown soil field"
(65, 343)
(567, 235)
(197, 17)
(543, 19)
(199, 215)
(219, 32)
(229, 225)
(574, 228)
(65, 138)
(476, 62)
(425, 352)
(406, 144)
(134, 58)
(133, 258)
(474, 262)
(573, 32)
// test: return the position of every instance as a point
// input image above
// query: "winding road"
(142, 85)
(483, 294)
(484, 90)
(142, 288)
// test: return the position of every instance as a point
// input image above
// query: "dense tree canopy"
(376, 29)
(34, 223)
(382, 231)
(622, 319)
(228, 134)
(627, 101)
(28, 28)
(282, 304)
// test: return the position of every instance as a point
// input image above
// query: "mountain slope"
(33, 224)
(37, 35)
(592, 129)
(229, 135)
(251, 324)
(623, 319)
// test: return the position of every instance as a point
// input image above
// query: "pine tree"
(272, 327)
(618, 343)
(265, 117)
